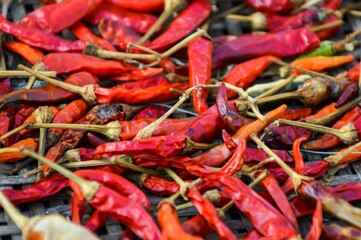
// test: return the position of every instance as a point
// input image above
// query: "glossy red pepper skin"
(140, 22)
(187, 20)
(134, 5)
(270, 6)
(160, 186)
(45, 187)
(146, 83)
(198, 226)
(276, 23)
(235, 163)
(7, 116)
(354, 73)
(49, 93)
(280, 44)
(39, 38)
(200, 52)
(47, 17)
(112, 70)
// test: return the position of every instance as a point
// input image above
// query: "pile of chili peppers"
(109, 112)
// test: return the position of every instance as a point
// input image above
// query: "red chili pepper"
(100, 114)
(354, 73)
(32, 55)
(284, 136)
(256, 155)
(150, 111)
(5, 86)
(134, 5)
(200, 52)
(45, 187)
(299, 163)
(39, 38)
(146, 83)
(96, 221)
(280, 44)
(186, 21)
(7, 116)
(329, 32)
(118, 33)
(271, 6)
(297, 114)
(77, 208)
(227, 139)
(160, 186)
(316, 230)
(235, 163)
(112, 70)
(83, 33)
(17, 156)
(198, 226)
(322, 112)
(332, 4)
(140, 22)
(49, 93)
(328, 141)
(244, 74)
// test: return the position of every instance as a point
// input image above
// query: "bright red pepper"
(271, 6)
(134, 5)
(316, 230)
(354, 73)
(5, 86)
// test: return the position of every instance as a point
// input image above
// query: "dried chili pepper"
(96, 220)
(187, 20)
(255, 155)
(284, 136)
(150, 111)
(39, 38)
(100, 114)
(279, 44)
(49, 93)
(134, 5)
(115, 70)
(316, 230)
(7, 116)
(297, 114)
(354, 73)
(200, 52)
(5, 86)
(197, 225)
(328, 141)
(47, 17)
(160, 186)
(77, 208)
(322, 112)
(271, 6)
(83, 33)
(16, 156)
(32, 55)
(329, 32)
(140, 22)
(336, 232)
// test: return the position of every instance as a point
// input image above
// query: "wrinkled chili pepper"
(70, 114)
(160, 186)
(47, 17)
(200, 52)
(45, 187)
(100, 114)
(297, 114)
(112, 70)
(39, 38)
(49, 93)
(280, 44)
(271, 6)
(83, 33)
(316, 229)
(336, 232)
(134, 5)
(198, 226)
(32, 55)
(321, 63)
(284, 136)
(328, 141)
(150, 111)
(17, 156)
(244, 74)
(354, 73)
(140, 22)
(247, 200)
(256, 155)
(146, 83)
(7, 116)
(186, 21)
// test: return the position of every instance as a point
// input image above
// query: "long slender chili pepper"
(316, 230)
(49, 93)
(200, 52)
(279, 44)
(39, 38)
(116, 70)
(336, 232)
(16, 156)
(32, 55)
(187, 20)
(354, 73)
(83, 33)
(100, 114)
(271, 6)
(297, 114)
(160, 186)
(140, 22)
(47, 17)
(146, 6)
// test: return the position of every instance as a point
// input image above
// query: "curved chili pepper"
(270, 6)
(134, 5)
(77, 208)
(83, 33)
(299, 163)
(186, 21)
(321, 63)
(297, 114)
(336, 232)
(227, 139)
(39, 38)
(322, 112)
(17, 156)
(45, 187)
(269, 223)
(200, 52)
(140, 22)
(244, 74)
(169, 222)
(328, 141)
(235, 163)
(100, 114)
(49, 93)
(208, 212)
(354, 73)
(32, 55)
(316, 230)
(160, 186)
(198, 226)
(280, 44)
(115, 70)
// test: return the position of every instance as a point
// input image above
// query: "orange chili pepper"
(321, 63)
(324, 111)
(297, 114)
(9, 157)
(32, 55)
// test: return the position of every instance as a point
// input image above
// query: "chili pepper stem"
(125, 161)
(88, 163)
(329, 117)
(230, 11)
(327, 25)
(190, 145)
(349, 7)
(89, 188)
(347, 134)
(170, 6)
(6, 73)
(296, 178)
(311, 73)
(306, 5)
(281, 96)
(211, 195)
(14, 131)
(275, 89)
(257, 20)
(256, 167)
(335, 159)
(39, 66)
(183, 185)
(340, 45)
(19, 219)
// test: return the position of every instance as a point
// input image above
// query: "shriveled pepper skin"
(281, 44)
(5, 86)
(270, 6)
